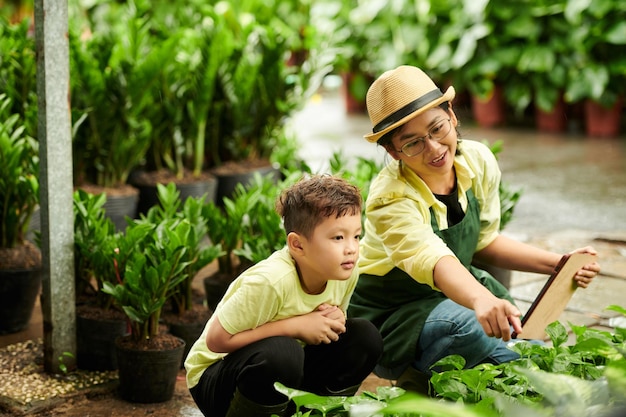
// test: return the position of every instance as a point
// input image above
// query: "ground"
(25, 390)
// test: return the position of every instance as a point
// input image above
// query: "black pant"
(315, 368)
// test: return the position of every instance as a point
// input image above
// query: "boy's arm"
(312, 328)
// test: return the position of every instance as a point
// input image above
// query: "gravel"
(26, 387)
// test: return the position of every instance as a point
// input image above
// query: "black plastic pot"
(215, 287)
(189, 332)
(18, 293)
(148, 376)
(95, 342)
(148, 195)
(118, 208)
(227, 180)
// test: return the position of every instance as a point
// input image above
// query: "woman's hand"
(587, 273)
(497, 316)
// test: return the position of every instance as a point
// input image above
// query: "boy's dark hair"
(311, 200)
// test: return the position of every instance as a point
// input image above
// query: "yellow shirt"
(398, 230)
(268, 291)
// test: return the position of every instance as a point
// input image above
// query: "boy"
(283, 320)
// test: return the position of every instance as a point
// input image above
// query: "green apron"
(398, 305)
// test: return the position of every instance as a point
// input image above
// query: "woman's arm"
(494, 314)
(507, 253)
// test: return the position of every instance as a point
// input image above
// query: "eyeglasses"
(439, 131)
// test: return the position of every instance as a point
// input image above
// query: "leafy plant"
(264, 232)
(361, 174)
(187, 125)
(18, 67)
(62, 358)
(508, 195)
(597, 37)
(113, 82)
(152, 273)
(19, 167)
(546, 375)
(95, 240)
(227, 224)
(387, 401)
(198, 253)
(586, 378)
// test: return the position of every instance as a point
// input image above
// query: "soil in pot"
(148, 369)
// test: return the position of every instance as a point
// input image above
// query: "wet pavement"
(574, 193)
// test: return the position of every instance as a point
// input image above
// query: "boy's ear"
(294, 241)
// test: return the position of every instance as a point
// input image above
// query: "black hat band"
(412, 107)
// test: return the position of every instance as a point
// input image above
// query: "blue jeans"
(453, 329)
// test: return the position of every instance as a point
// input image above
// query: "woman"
(431, 212)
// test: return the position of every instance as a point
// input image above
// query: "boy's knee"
(367, 334)
(281, 355)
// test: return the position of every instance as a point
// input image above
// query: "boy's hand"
(317, 327)
(333, 312)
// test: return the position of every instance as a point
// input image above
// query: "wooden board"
(554, 296)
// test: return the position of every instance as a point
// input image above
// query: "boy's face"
(333, 249)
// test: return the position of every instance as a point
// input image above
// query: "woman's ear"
(392, 151)
(452, 114)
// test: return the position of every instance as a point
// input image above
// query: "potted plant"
(149, 359)
(597, 75)
(98, 320)
(226, 225)
(18, 67)
(20, 259)
(112, 83)
(188, 315)
(542, 68)
(494, 46)
(264, 232)
(188, 116)
(359, 34)
(259, 91)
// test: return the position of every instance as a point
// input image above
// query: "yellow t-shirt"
(268, 291)
(398, 230)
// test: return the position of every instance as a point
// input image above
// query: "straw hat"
(399, 95)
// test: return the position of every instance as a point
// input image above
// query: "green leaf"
(557, 333)
(450, 362)
(568, 395)
(410, 402)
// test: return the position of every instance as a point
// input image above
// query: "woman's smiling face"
(437, 156)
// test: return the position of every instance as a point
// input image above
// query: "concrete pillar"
(56, 185)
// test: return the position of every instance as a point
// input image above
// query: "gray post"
(57, 220)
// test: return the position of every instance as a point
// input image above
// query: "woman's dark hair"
(387, 137)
